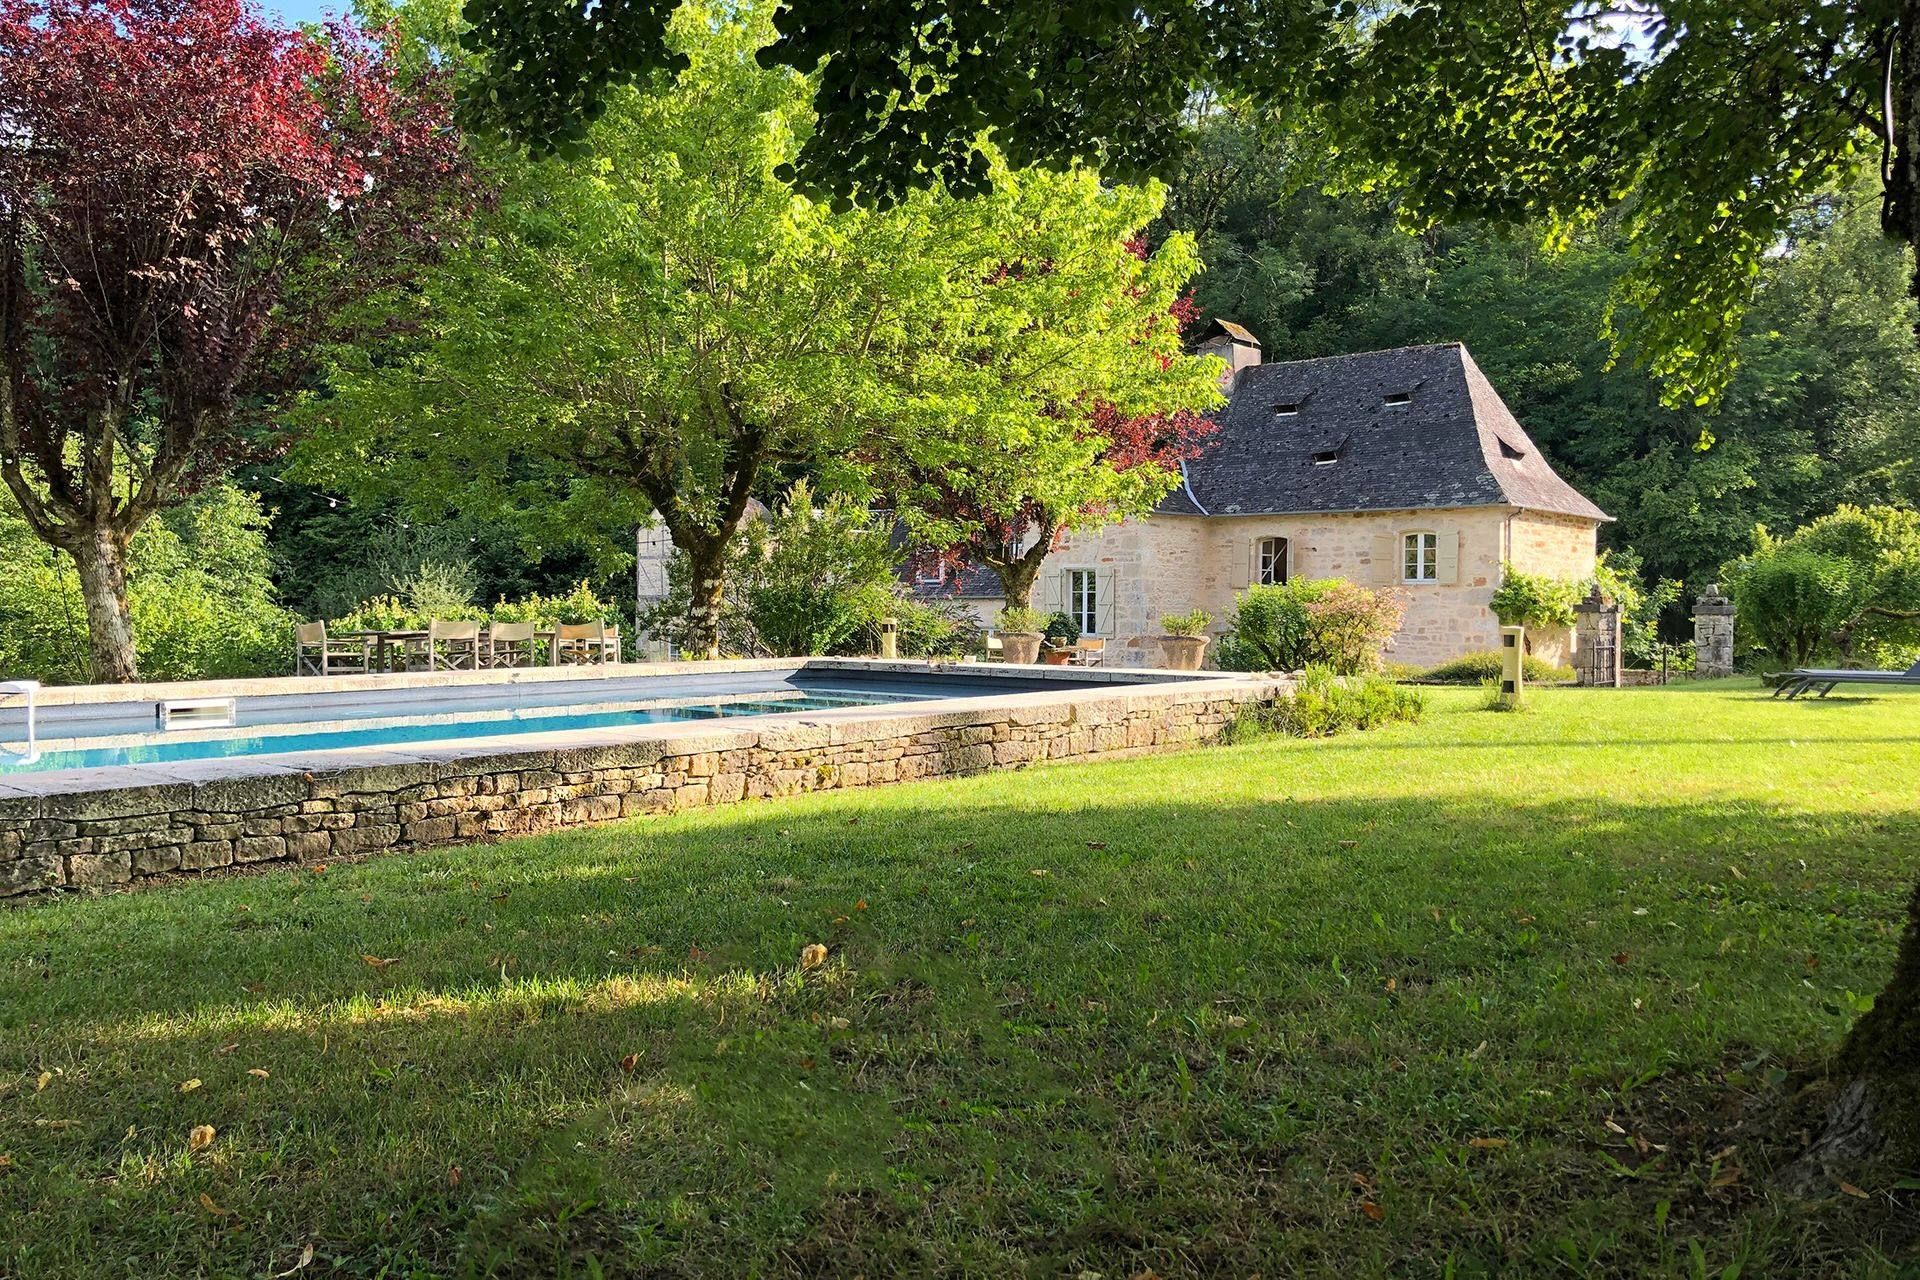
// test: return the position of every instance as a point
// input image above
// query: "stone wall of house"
(1171, 564)
(101, 838)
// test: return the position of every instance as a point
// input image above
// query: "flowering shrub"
(1311, 621)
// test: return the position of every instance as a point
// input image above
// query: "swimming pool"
(159, 748)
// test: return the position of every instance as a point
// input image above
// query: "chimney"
(1232, 343)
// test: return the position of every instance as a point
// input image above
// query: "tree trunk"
(1016, 582)
(1876, 1115)
(707, 582)
(100, 559)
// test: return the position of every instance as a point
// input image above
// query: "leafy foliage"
(1310, 622)
(200, 595)
(1324, 703)
(812, 579)
(1194, 623)
(1848, 583)
(1021, 620)
(1477, 668)
(1536, 601)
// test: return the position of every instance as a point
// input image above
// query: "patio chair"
(317, 654)
(582, 642)
(447, 646)
(995, 651)
(1090, 652)
(1807, 679)
(510, 644)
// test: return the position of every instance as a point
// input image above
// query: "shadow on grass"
(1088, 1031)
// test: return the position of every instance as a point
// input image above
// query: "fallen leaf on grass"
(306, 1260)
(41, 1081)
(1621, 957)
(1393, 984)
(262, 1072)
(630, 1063)
(813, 955)
(1373, 1211)
(1038, 872)
(206, 1202)
(1854, 1191)
(226, 1049)
(1486, 1144)
(318, 868)
(453, 1175)
(188, 1086)
(1726, 1179)
(200, 1137)
(1096, 844)
(1349, 844)
(6, 1162)
(860, 905)
(379, 962)
(255, 987)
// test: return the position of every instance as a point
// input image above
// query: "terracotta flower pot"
(1184, 653)
(1055, 657)
(1021, 646)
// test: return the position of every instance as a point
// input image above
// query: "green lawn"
(1529, 994)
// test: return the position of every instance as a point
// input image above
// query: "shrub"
(1474, 668)
(1061, 630)
(1019, 620)
(816, 579)
(1186, 624)
(439, 589)
(933, 628)
(199, 588)
(1310, 621)
(1324, 703)
(1848, 583)
(1534, 600)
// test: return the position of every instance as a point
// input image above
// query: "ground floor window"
(1420, 557)
(1083, 600)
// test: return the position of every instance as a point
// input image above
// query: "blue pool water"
(538, 720)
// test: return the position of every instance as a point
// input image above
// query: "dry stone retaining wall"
(104, 837)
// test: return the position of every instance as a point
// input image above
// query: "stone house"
(1399, 469)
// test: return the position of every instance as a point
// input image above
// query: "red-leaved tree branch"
(185, 193)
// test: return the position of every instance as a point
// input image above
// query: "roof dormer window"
(1397, 399)
(1326, 457)
(1287, 410)
(1510, 451)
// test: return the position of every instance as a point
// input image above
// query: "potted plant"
(1021, 631)
(1061, 634)
(1184, 638)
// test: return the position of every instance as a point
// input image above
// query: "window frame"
(1084, 608)
(1419, 552)
(1263, 566)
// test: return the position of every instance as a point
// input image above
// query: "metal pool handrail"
(27, 689)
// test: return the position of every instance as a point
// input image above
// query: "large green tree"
(655, 326)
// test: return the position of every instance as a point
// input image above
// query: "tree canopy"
(179, 180)
(657, 326)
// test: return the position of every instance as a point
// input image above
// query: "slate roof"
(1455, 444)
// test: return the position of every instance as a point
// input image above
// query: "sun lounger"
(1808, 679)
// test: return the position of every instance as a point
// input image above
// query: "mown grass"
(1517, 994)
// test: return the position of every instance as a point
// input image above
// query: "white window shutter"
(1104, 596)
(1386, 558)
(1242, 569)
(1447, 558)
(1053, 591)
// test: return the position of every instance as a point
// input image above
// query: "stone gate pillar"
(1596, 640)
(1712, 634)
